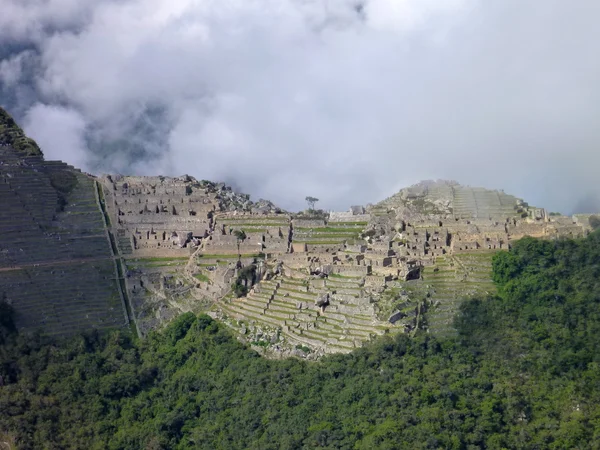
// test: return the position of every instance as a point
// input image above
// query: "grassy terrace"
(159, 259)
(254, 224)
(265, 218)
(227, 256)
(328, 229)
(362, 224)
(250, 223)
(330, 235)
(318, 242)
(337, 275)
(148, 263)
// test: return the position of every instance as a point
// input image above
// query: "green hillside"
(11, 134)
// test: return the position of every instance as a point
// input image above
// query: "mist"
(344, 100)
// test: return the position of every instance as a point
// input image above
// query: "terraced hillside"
(481, 203)
(284, 309)
(56, 265)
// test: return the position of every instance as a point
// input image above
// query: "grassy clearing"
(202, 277)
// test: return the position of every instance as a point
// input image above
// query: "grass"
(362, 224)
(318, 242)
(157, 264)
(289, 289)
(337, 275)
(303, 348)
(161, 259)
(328, 229)
(202, 277)
(234, 224)
(350, 235)
(13, 135)
(227, 256)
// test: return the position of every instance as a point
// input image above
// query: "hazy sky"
(344, 100)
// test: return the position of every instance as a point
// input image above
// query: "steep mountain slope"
(56, 265)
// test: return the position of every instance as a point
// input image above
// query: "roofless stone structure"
(79, 252)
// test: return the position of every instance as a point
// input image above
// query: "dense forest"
(522, 372)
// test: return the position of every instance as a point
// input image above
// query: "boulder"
(322, 300)
(396, 316)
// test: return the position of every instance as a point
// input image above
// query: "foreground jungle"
(523, 371)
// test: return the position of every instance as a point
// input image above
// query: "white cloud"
(28, 20)
(345, 100)
(11, 68)
(59, 132)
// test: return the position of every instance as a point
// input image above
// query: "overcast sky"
(344, 100)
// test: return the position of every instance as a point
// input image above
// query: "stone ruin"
(79, 252)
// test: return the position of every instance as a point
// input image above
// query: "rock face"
(75, 250)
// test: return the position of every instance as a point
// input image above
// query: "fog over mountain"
(345, 100)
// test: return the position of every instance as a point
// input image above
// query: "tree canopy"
(311, 202)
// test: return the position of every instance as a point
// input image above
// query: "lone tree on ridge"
(241, 237)
(311, 202)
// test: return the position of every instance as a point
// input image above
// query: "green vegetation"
(240, 236)
(523, 372)
(7, 326)
(304, 348)
(246, 279)
(347, 277)
(349, 235)
(202, 277)
(11, 134)
(349, 229)
(63, 181)
(160, 259)
(311, 202)
(594, 222)
(329, 242)
(229, 256)
(263, 220)
(351, 224)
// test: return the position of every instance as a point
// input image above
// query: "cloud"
(345, 100)
(60, 132)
